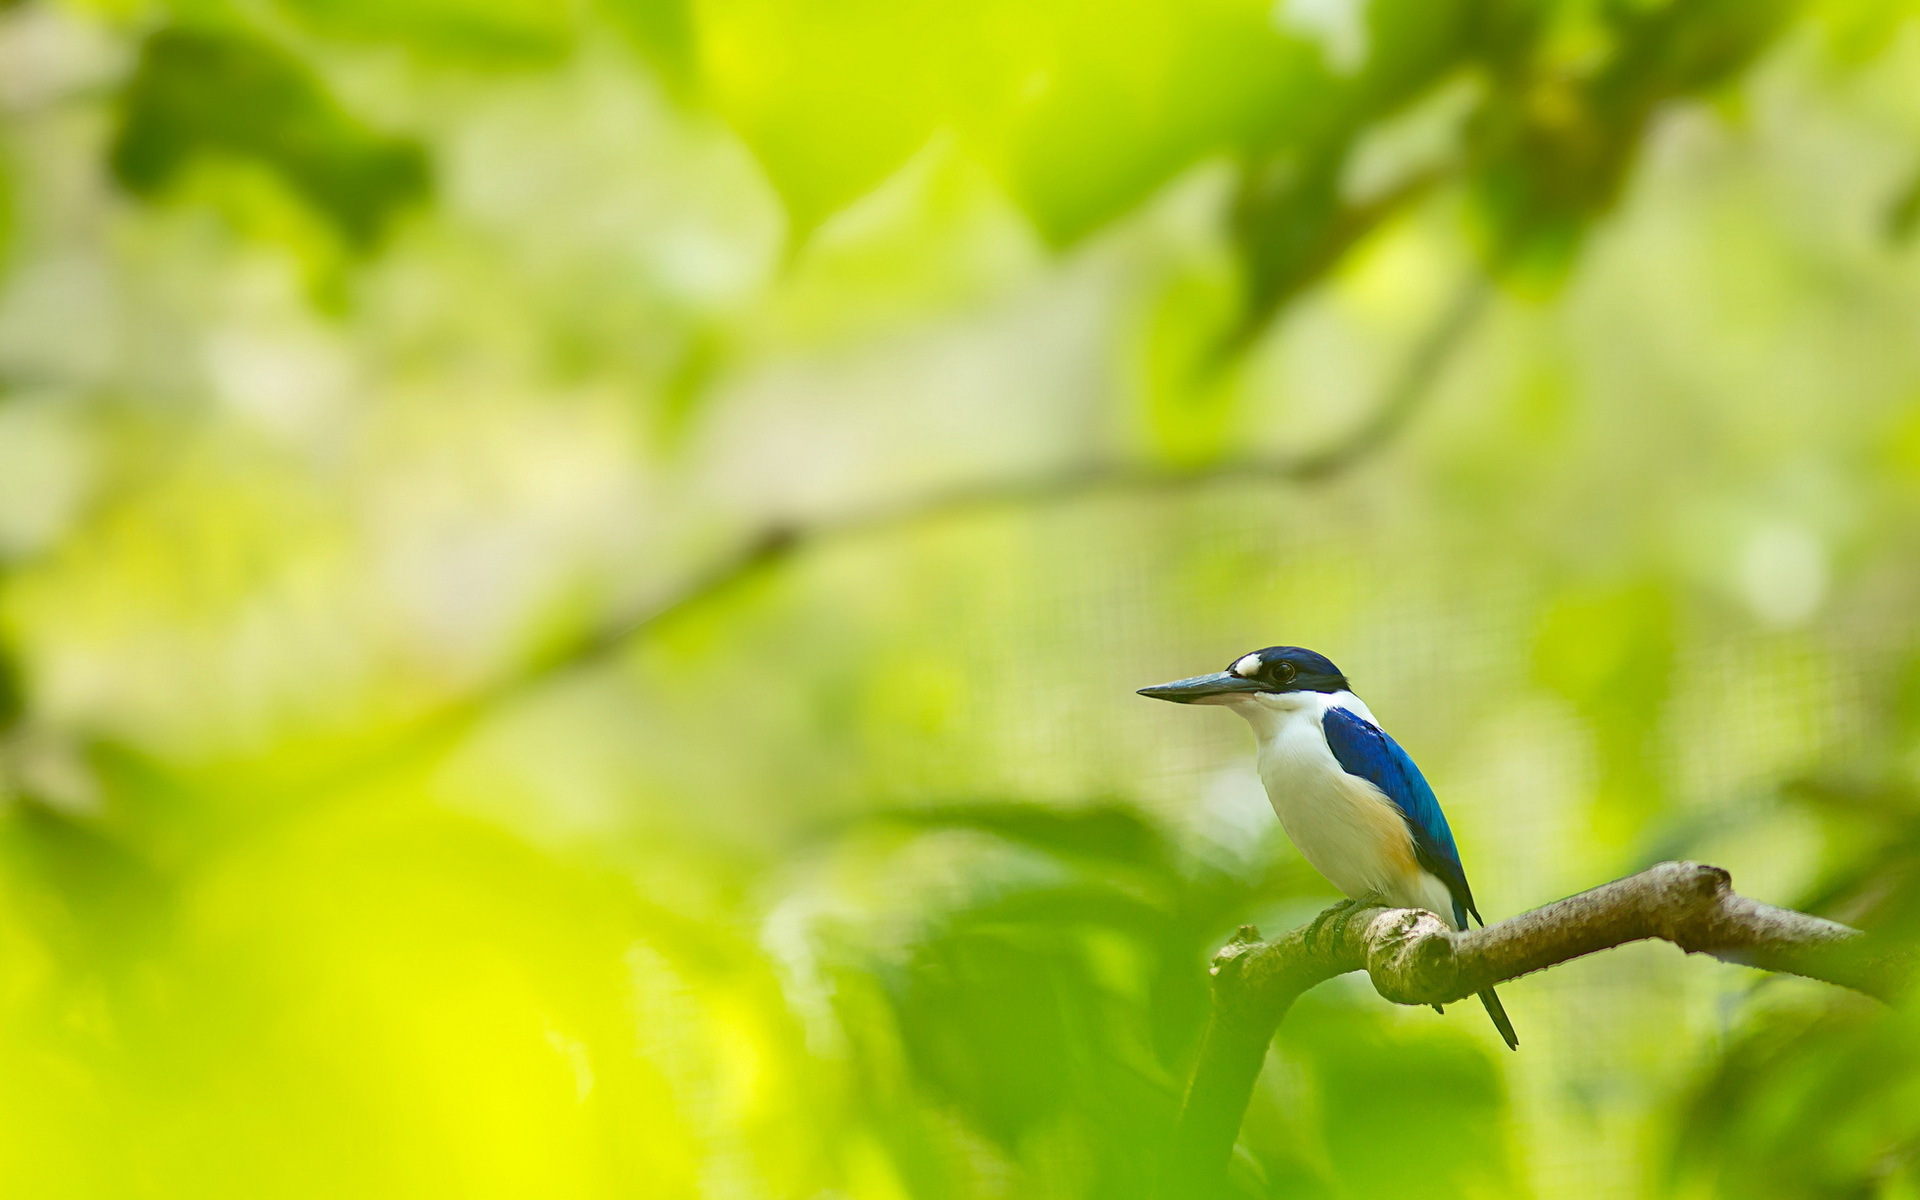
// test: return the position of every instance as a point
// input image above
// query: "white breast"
(1341, 824)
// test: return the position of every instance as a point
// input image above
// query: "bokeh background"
(572, 577)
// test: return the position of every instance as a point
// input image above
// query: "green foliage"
(1747, 1132)
(1359, 1071)
(1746, 1128)
(502, 31)
(1546, 166)
(1903, 215)
(6, 209)
(1082, 109)
(200, 94)
(1051, 1001)
(1087, 111)
(1049, 1008)
(355, 841)
(664, 31)
(1609, 651)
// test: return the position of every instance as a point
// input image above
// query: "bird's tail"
(1499, 1015)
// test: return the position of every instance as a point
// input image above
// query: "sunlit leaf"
(200, 93)
(488, 32)
(1557, 156)
(1084, 109)
(665, 32)
(6, 212)
(1355, 1062)
(1610, 651)
(1114, 100)
(1814, 1099)
(1903, 214)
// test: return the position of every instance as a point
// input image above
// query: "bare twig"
(1413, 383)
(1412, 957)
(778, 541)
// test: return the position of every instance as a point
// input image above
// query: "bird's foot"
(1338, 916)
(1354, 908)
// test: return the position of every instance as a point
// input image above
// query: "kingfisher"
(1351, 799)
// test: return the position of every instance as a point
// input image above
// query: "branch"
(780, 541)
(1411, 384)
(1412, 957)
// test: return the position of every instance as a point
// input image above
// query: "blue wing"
(1364, 749)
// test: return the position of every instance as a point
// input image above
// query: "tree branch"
(1412, 957)
(1414, 381)
(779, 541)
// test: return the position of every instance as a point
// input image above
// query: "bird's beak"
(1201, 689)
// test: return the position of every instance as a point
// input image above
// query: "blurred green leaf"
(1108, 102)
(6, 214)
(95, 900)
(1292, 220)
(1101, 832)
(1871, 876)
(314, 888)
(1557, 151)
(1045, 984)
(1609, 650)
(1903, 215)
(1858, 31)
(13, 692)
(665, 32)
(1817, 1093)
(832, 98)
(1191, 392)
(201, 93)
(484, 32)
(1083, 109)
(1361, 1067)
(1815, 1099)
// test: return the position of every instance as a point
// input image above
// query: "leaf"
(831, 98)
(1355, 1058)
(487, 32)
(1610, 652)
(1081, 109)
(198, 94)
(1903, 215)
(1813, 1099)
(94, 898)
(6, 211)
(664, 32)
(1858, 31)
(1191, 400)
(1104, 832)
(1114, 100)
(1291, 221)
(1555, 153)
(13, 691)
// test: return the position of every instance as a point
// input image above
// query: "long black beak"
(1187, 691)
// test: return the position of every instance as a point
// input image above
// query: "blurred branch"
(779, 541)
(1412, 957)
(1903, 215)
(1412, 384)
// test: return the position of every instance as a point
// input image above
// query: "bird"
(1352, 801)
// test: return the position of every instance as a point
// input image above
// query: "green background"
(572, 578)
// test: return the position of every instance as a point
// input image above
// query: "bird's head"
(1277, 671)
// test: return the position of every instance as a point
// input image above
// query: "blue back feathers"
(1364, 749)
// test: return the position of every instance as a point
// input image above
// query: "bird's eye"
(1283, 671)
